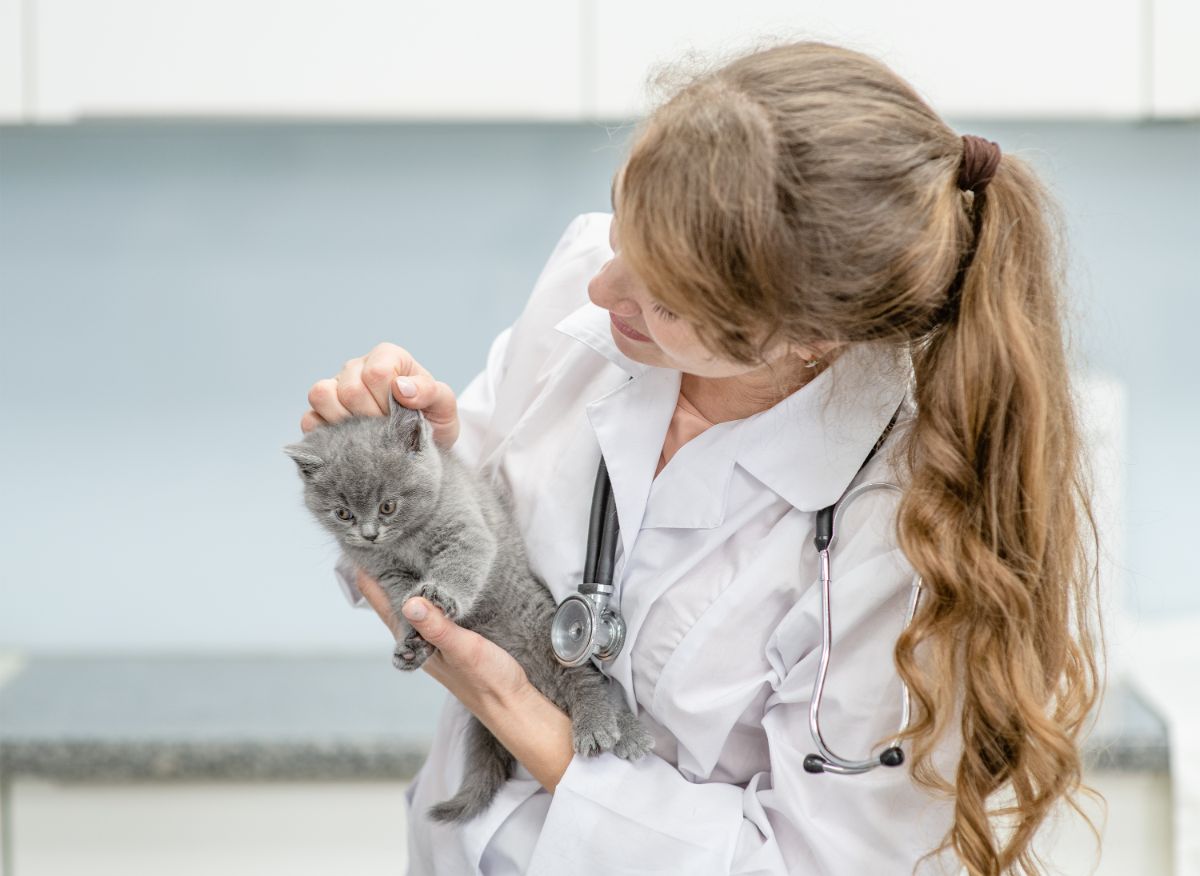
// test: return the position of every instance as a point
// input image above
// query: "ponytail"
(998, 521)
(804, 192)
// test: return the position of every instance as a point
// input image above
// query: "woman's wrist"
(535, 730)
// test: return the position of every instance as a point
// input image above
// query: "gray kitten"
(423, 523)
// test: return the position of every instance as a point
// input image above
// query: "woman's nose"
(605, 290)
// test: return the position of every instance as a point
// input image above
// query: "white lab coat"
(720, 597)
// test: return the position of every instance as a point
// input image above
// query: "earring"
(812, 363)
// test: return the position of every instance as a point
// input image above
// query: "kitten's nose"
(369, 531)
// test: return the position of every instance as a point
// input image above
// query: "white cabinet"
(1175, 68)
(12, 79)
(1025, 58)
(202, 828)
(571, 59)
(315, 58)
(315, 828)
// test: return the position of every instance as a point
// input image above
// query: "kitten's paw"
(593, 735)
(439, 597)
(635, 739)
(411, 653)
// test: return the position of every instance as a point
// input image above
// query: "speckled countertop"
(252, 717)
(336, 717)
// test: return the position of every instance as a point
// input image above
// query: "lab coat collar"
(807, 448)
(590, 325)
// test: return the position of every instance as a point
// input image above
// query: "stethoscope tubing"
(588, 626)
(831, 762)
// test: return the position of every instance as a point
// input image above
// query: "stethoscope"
(586, 625)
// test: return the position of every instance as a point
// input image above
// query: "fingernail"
(414, 609)
(407, 387)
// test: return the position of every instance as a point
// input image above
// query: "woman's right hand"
(361, 387)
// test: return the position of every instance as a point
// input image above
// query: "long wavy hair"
(803, 191)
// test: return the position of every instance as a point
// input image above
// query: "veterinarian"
(799, 248)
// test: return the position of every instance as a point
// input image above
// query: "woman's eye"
(343, 514)
(663, 312)
(387, 507)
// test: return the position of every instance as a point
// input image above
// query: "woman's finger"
(311, 420)
(353, 393)
(324, 400)
(383, 365)
(460, 647)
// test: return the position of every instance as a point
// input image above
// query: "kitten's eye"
(343, 514)
(387, 507)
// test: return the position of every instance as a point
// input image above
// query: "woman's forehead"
(613, 192)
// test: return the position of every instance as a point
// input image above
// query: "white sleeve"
(609, 815)
(347, 580)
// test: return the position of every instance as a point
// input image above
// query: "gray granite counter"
(306, 717)
(253, 717)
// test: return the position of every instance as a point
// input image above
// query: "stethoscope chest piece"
(585, 626)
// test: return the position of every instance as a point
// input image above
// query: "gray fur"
(452, 539)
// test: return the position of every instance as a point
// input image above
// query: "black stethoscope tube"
(608, 537)
(600, 494)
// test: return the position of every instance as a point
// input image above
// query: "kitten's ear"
(407, 427)
(307, 461)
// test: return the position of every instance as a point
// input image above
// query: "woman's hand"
(487, 680)
(361, 387)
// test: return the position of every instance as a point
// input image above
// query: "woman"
(801, 252)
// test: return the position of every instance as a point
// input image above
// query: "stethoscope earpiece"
(893, 756)
(814, 764)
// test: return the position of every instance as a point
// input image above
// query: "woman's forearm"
(535, 731)
(491, 684)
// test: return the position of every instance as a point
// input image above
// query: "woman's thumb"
(431, 623)
(434, 399)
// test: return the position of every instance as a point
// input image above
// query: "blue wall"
(171, 291)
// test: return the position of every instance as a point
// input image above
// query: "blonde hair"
(805, 192)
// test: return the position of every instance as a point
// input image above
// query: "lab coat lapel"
(630, 423)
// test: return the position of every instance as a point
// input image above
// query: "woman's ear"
(813, 349)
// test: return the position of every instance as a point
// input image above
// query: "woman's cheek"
(676, 343)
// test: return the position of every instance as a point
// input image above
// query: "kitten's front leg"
(411, 648)
(458, 570)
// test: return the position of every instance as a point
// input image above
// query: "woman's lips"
(627, 330)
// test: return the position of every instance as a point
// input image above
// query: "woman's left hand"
(487, 680)
(476, 670)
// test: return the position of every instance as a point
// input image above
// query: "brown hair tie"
(980, 159)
